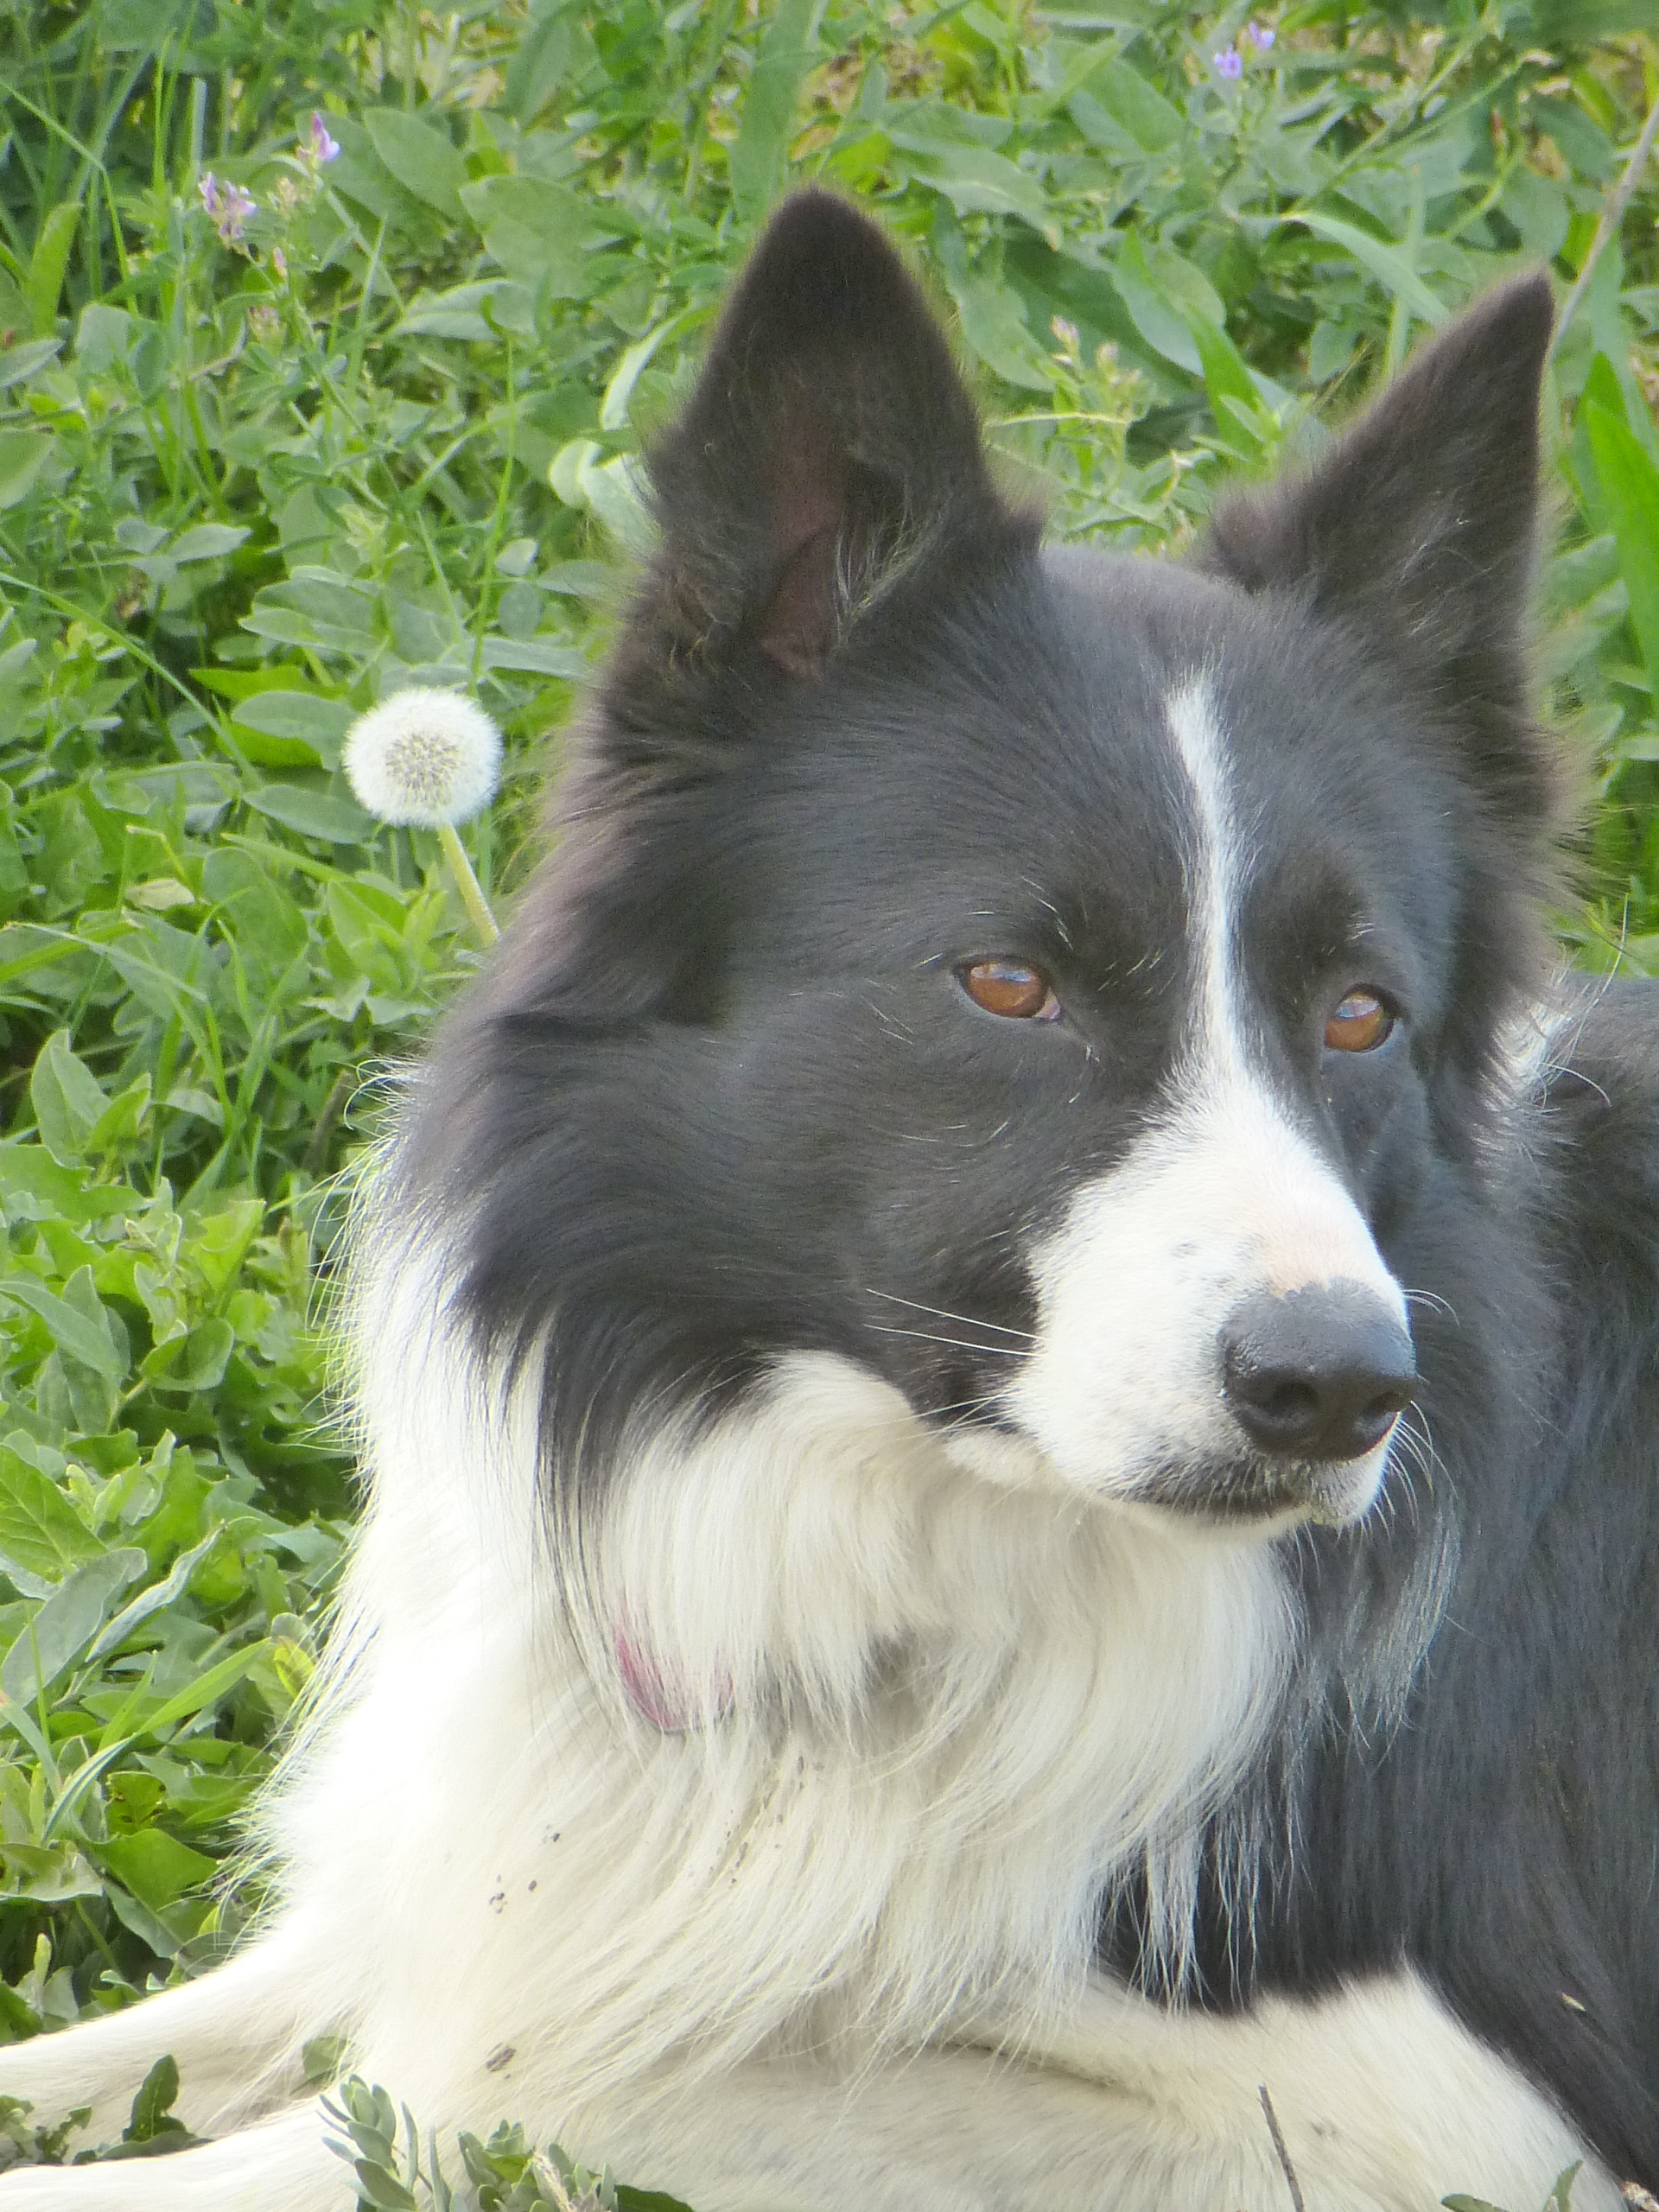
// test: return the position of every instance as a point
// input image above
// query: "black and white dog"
(1006, 1371)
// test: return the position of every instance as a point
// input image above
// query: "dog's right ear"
(830, 446)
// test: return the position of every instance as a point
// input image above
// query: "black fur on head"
(828, 449)
(714, 1094)
(1417, 536)
(1419, 531)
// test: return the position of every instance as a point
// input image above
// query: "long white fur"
(831, 1943)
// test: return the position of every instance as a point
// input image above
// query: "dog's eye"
(1011, 988)
(1360, 1023)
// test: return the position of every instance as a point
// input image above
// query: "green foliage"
(506, 2174)
(152, 2131)
(259, 465)
(1559, 2200)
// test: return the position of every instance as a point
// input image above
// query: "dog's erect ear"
(829, 444)
(1420, 524)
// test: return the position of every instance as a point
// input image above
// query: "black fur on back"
(712, 1101)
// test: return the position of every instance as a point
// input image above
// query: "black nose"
(1318, 1374)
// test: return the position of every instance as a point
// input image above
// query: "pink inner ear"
(809, 507)
(800, 621)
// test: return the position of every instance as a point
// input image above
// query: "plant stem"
(1289, 2171)
(472, 894)
(1617, 201)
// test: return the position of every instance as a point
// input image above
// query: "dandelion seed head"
(423, 758)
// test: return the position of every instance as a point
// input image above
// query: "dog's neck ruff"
(885, 1732)
(654, 1696)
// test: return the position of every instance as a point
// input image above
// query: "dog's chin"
(1252, 1493)
(1246, 1492)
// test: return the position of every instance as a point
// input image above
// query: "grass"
(283, 427)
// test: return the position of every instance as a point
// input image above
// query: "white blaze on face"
(1221, 1200)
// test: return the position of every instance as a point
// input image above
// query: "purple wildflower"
(315, 144)
(1229, 63)
(228, 207)
(1263, 35)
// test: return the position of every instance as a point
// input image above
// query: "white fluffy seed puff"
(423, 758)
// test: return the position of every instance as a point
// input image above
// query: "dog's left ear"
(829, 445)
(1420, 528)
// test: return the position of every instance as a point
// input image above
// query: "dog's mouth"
(1252, 1490)
(1243, 1491)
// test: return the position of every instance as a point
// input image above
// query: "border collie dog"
(1006, 1366)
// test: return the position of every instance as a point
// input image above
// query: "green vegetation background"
(389, 433)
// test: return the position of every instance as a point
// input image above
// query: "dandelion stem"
(471, 892)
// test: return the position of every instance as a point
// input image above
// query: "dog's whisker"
(958, 1344)
(945, 1313)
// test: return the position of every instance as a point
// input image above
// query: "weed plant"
(330, 335)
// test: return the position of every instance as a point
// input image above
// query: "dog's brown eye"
(1360, 1024)
(1009, 987)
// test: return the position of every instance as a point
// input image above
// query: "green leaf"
(1537, 206)
(1629, 488)
(542, 232)
(39, 1527)
(457, 313)
(380, 2189)
(760, 154)
(19, 365)
(47, 264)
(362, 934)
(121, 1625)
(1234, 398)
(156, 1867)
(292, 728)
(28, 1173)
(993, 323)
(121, 1120)
(206, 542)
(1137, 107)
(157, 2094)
(194, 1362)
(149, 1926)
(205, 1690)
(1153, 310)
(47, 1873)
(1386, 262)
(75, 1333)
(420, 156)
(217, 1241)
(614, 411)
(67, 1622)
(68, 1100)
(535, 658)
(24, 454)
(977, 181)
(323, 815)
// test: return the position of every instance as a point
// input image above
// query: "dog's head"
(1066, 988)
